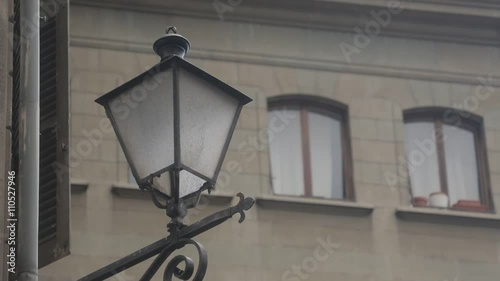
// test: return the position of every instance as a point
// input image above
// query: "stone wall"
(108, 47)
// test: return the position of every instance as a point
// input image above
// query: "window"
(309, 147)
(445, 150)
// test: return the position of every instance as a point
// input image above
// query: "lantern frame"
(175, 64)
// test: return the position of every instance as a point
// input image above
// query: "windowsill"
(317, 205)
(446, 216)
(79, 186)
(126, 190)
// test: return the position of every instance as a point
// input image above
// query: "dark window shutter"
(54, 210)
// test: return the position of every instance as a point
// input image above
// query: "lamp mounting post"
(175, 141)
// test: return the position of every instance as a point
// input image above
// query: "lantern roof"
(174, 62)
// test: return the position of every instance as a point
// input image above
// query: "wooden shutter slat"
(54, 125)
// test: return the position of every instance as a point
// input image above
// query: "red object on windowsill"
(469, 205)
(419, 201)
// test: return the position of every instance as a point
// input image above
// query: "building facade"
(402, 96)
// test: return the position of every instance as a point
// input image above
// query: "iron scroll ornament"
(180, 236)
(185, 274)
(172, 268)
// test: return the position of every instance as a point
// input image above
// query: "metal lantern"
(174, 122)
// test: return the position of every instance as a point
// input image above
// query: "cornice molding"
(459, 21)
(482, 8)
(282, 61)
(462, 7)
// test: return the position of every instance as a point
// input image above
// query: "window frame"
(464, 120)
(332, 109)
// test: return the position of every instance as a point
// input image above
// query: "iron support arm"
(162, 245)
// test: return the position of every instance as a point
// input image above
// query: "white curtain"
(461, 164)
(286, 157)
(325, 139)
(421, 158)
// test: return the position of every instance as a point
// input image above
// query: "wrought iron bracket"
(176, 240)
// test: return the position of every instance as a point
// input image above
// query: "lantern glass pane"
(206, 115)
(145, 120)
(189, 183)
(163, 183)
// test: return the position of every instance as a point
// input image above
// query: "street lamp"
(174, 123)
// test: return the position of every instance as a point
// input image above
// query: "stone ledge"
(317, 205)
(126, 190)
(439, 216)
(79, 186)
(293, 62)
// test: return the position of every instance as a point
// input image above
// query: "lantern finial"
(171, 29)
(171, 44)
